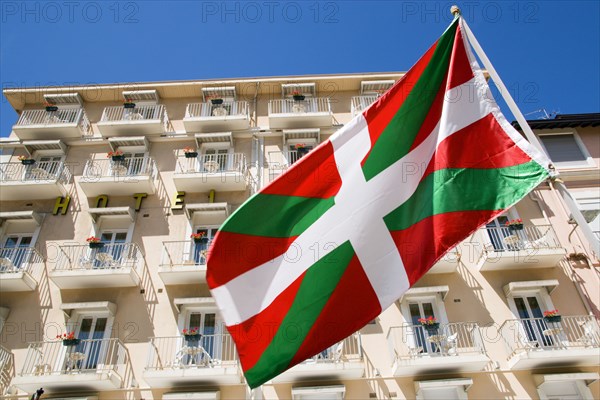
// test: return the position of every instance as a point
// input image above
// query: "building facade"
(110, 196)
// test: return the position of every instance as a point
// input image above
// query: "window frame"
(589, 161)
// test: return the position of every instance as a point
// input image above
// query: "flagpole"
(558, 184)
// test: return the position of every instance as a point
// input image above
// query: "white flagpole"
(558, 184)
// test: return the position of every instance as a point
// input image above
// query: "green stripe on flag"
(275, 215)
(316, 288)
(398, 136)
(466, 189)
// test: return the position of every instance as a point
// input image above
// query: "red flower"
(198, 235)
(551, 313)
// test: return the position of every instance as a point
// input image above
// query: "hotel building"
(144, 166)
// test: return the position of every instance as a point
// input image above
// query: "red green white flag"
(327, 246)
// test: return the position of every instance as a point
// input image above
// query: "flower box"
(71, 342)
(96, 245)
(192, 338)
(298, 97)
(191, 154)
(118, 158)
(216, 101)
(51, 108)
(432, 329)
(28, 161)
(553, 318)
(516, 227)
(128, 104)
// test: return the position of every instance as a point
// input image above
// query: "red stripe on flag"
(233, 254)
(344, 312)
(444, 230)
(255, 334)
(380, 114)
(460, 70)
(482, 139)
(314, 175)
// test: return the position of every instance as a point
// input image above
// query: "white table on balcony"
(439, 341)
(197, 356)
(74, 359)
(106, 259)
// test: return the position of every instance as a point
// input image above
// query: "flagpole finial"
(455, 10)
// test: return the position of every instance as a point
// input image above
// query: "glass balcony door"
(92, 349)
(418, 310)
(532, 321)
(15, 252)
(200, 247)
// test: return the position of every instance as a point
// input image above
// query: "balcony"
(173, 361)
(341, 361)
(446, 264)
(141, 120)
(453, 348)
(183, 262)
(361, 103)
(533, 342)
(281, 161)
(42, 180)
(7, 369)
(119, 178)
(208, 117)
(221, 172)
(16, 267)
(112, 265)
(308, 113)
(70, 123)
(93, 364)
(534, 246)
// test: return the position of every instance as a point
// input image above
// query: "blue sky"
(547, 52)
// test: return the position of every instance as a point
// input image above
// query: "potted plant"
(69, 339)
(216, 100)
(94, 242)
(552, 316)
(198, 237)
(430, 324)
(297, 95)
(128, 103)
(26, 160)
(190, 152)
(51, 107)
(116, 155)
(192, 336)
(515, 224)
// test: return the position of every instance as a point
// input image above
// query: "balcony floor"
(555, 357)
(216, 124)
(440, 364)
(20, 281)
(53, 131)
(323, 370)
(32, 190)
(300, 120)
(528, 258)
(197, 182)
(169, 377)
(117, 186)
(73, 381)
(95, 278)
(182, 274)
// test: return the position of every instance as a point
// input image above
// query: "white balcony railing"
(156, 112)
(129, 168)
(349, 348)
(18, 259)
(185, 252)
(227, 109)
(7, 369)
(109, 256)
(212, 164)
(410, 342)
(280, 161)
(530, 237)
(289, 106)
(537, 334)
(40, 171)
(361, 103)
(177, 353)
(73, 116)
(90, 356)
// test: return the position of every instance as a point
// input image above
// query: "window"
(566, 386)
(16, 252)
(589, 205)
(215, 159)
(200, 247)
(201, 314)
(566, 150)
